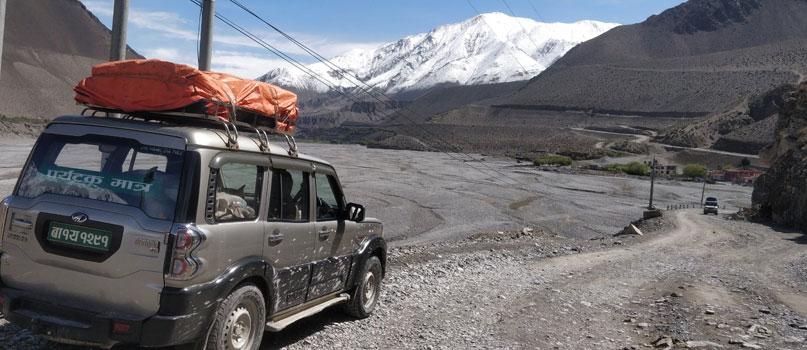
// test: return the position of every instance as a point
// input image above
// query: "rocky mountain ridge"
(781, 194)
(701, 57)
(748, 128)
(489, 48)
(49, 46)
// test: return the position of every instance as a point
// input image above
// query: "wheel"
(364, 297)
(239, 321)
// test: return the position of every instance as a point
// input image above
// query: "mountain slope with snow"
(489, 48)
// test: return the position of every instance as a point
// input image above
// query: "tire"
(364, 296)
(242, 312)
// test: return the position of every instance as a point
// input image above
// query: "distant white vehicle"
(710, 206)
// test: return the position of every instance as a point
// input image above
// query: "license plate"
(80, 237)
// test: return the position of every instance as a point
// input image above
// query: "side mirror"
(354, 212)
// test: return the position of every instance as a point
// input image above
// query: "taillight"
(183, 264)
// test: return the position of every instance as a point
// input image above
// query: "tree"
(695, 170)
(553, 159)
(636, 168)
(745, 163)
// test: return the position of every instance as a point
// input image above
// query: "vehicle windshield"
(107, 169)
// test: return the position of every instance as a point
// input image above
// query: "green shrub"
(614, 168)
(632, 168)
(695, 170)
(615, 154)
(553, 159)
(745, 163)
(636, 168)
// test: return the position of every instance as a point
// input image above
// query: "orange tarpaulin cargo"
(154, 85)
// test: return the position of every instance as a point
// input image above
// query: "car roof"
(194, 135)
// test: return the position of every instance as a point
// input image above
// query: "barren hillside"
(49, 46)
(700, 57)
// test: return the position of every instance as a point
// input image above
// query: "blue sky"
(167, 29)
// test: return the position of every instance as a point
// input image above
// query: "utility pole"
(652, 183)
(206, 40)
(703, 192)
(120, 19)
(2, 28)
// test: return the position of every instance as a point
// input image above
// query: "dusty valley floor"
(465, 273)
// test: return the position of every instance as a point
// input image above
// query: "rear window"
(107, 169)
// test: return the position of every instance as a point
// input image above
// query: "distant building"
(661, 169)
(738, 176)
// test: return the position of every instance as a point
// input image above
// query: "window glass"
(238, 194)
(95, 167)
(81, 156)
(289, 199)
(145, 161)
(328, 199)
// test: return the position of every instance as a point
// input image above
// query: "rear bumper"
(81, 327)
(709, 210)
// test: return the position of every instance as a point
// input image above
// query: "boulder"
(780, 195)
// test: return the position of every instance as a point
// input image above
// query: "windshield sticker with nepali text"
(96, 180)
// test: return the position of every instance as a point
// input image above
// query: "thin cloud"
(244, 64)
(230, 55)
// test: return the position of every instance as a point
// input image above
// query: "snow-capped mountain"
(489, 48)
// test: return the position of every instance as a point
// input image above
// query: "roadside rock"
(631, 230)
(664, 342)
(781, 194)
(693, 344)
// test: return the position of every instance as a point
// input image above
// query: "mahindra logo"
(79, 218)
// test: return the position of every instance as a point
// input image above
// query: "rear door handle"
(325, 233)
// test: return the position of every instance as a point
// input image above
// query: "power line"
(535, 9)
(277, 52)
(370, 91)
(527, 73)
(316, 76)
(526, 32)
(310, 51)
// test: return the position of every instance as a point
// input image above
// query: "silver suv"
(134, 232)
(710, 206)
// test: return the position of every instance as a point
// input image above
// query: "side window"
(329, 199)
(289, 197)
(238, 192)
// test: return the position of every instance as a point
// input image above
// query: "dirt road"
(706, 280)
(695, 281)
(646, 139)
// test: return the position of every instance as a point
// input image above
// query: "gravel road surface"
(425, 197)
(703, 282)
(464, 274)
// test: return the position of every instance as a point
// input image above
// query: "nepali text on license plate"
(77, 236)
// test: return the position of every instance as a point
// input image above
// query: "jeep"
(160, 233)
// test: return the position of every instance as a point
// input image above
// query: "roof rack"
(195, 115)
